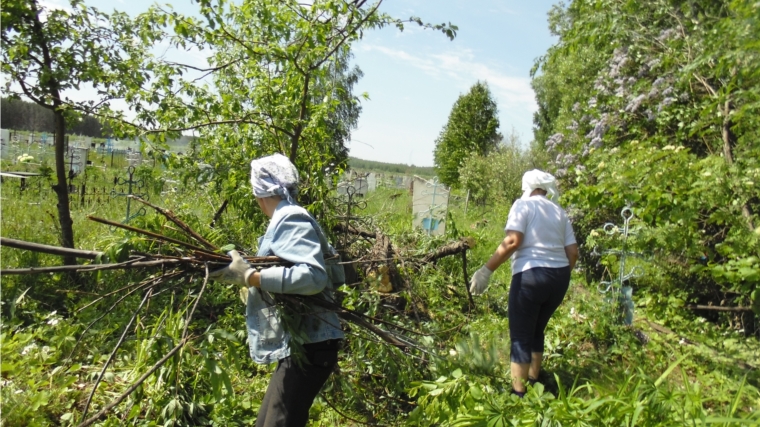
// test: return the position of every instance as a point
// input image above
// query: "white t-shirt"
(546, 230)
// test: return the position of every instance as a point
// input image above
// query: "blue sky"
(414, 77)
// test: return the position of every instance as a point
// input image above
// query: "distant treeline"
(22, 115)
(397, 168)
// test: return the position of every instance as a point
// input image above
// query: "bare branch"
(47, 249)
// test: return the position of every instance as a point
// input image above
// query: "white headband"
(534, 179)
(274, 175)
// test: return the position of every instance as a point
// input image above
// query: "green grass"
(669, 368)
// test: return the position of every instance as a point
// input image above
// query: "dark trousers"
(534, 296)
(292, 388)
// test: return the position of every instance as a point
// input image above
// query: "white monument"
(430, 204)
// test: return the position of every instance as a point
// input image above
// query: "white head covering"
(540, 179)
(274, 176)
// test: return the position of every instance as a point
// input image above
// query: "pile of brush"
(193, 258)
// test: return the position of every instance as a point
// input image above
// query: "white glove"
(479, 281)
(236, 273)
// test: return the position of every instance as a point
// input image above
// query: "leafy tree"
(662, 116)
(470, 130)
(47, 52)
(345, 116)
(277, 81)
(497, 176)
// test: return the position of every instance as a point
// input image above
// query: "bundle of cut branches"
(181, 260)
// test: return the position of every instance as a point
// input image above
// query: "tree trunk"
(61, 187)
(53, 89)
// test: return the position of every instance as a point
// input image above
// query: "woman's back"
(546, 231)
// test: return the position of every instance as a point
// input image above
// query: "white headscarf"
(540, 179)
(274, 176)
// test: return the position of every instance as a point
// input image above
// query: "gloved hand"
(479, 281)
(236, 273)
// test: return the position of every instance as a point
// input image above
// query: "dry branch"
(717, 308)
(95, 267)
(115, 349)
(186, 228)
(342, 228)
(357, 318)
(149, 233)
(460, 246)
(47, 249)
(136, 384)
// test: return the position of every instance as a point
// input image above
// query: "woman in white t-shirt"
(540, 240)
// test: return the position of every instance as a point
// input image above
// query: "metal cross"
(347, 203)
(131, 185)
(617, 285)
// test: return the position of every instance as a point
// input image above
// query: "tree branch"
(47, 249)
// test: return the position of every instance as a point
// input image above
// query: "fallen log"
(717, 308)
(342, 228)
(47, 249)
(460, 246)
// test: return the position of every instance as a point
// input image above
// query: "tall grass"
(683, 372)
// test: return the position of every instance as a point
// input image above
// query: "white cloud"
(511, 92)
(55, 4)
(47, 5)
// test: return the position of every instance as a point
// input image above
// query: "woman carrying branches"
(540, 240)
(293, 235)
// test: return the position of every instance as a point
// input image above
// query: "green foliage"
(470, 130)
(48, 51)
(670, 368)
(393, 168)
(661, 117)
(496, 176)
(280, 82)
(591, 361)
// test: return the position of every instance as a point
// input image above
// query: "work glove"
(479, 281)
(236, 273)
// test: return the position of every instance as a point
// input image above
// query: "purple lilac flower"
(554, 140)
(665, 103)
(666, 34)
(635, 104)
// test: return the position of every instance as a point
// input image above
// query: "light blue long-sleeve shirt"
(294, 236)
